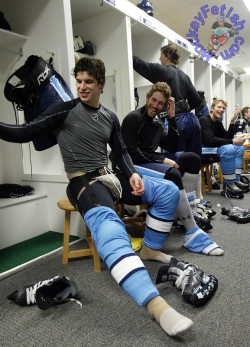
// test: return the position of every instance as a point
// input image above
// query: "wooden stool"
(219, 176)
(65, 205)
(134, 221)
(206, 172)
(246, 157)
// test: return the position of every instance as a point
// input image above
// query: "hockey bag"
(32, 89)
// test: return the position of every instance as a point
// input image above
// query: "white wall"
(56, 191)
(22, 221)
(246, 93)
(37, 22)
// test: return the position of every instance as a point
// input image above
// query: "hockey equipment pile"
(196, 287)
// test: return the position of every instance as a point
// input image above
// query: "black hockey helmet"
(146, 6)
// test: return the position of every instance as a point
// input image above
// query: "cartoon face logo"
(221, 32)
(225, 29)
(95, 117)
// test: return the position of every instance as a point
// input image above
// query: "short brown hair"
(162, 87)
(172, 52)
(245, 110)
(95, 67)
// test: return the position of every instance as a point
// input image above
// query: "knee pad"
(227, 151)
(161, 196)
(174, 175)
(190, 162)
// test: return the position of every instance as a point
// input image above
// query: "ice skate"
(230, 190)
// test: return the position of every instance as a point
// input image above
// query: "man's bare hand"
(239, 140)
(235, 115)
(171, 163)
(171, 107)
(137, 184)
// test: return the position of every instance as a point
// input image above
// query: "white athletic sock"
(147, 253)
(172, 322)
(216, 251)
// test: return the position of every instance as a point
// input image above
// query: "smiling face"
(88, 88)
(155, 104)
(217, 110)
(89, 73)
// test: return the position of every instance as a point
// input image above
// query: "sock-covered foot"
(198, 241)
(147, 253)
(216, 251)
(172, 322)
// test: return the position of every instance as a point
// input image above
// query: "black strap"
(85, 179)
(182, 106)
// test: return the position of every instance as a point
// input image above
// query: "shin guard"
(113, 246)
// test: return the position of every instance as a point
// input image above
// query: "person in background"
(143, 134)
(202, 110)
(185, 94)
(83, 129)
(242, 123)
(224, 147)
(183, 91)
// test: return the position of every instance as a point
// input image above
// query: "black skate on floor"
(230, 190)
(237, 214)
(243, 186)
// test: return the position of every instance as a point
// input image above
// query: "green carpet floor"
(22, 252)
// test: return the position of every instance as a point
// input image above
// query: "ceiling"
(179, 14)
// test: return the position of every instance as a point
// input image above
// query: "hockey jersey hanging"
(34, 87)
